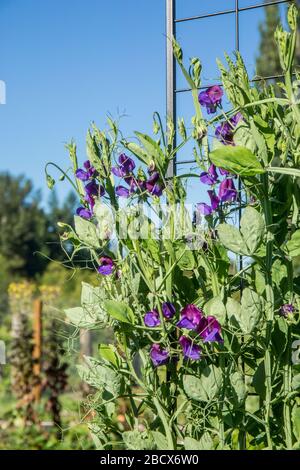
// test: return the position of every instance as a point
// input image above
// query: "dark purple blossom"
(224, 172)
(84, 213)
(227, 191)
(214, 200)
(152, 319)
(204, 208)
(209, 177)
(168, 310)
(287, 309)
(158, 356)
(211, 98)
(190, 317)
(152, 185)
(94, 189)
(88, 172)
(122, 192)
(224, 132)
(189, 348)
(126, 166)
(209, 330)
(106, 266)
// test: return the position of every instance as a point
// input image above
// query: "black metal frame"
(171, 22)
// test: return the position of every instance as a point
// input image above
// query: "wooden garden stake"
(37, 349)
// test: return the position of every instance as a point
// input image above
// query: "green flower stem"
(165, 423)
(269, 306)
(287, 372)
(64, 174)
(287, 378)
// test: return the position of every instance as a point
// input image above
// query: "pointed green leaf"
(119, 311)
(231, 238)
(252, 228)
(86, 231)
(206, 387)
(237, 160)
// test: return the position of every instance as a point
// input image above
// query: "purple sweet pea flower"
(224, 132)
(126, 163)
(84, 213)
(94, 189)
(152, 185)
(122, 192)
(126, 166)
(227, 191)
(117, 171)
(224, 172)
(287, 309)
(211, 98)
(189, 349)
(88, 172)
(209, 330)
(106, 266)
(209, 177)
(204, 208)
(168, 310)
(236, 119)
(158, 356)
(190, 317)
(214, 200)
(152, 319)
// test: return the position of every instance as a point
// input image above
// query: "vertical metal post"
(171, 73)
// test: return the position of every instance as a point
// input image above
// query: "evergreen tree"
(267, 63)
(23, 227)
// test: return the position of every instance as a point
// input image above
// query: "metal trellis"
(171, 22)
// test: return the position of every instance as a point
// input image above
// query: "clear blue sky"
(68, 62)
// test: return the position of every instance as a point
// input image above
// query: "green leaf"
(243, 137)
(77, 316)
(119, 311)
(216, 307)
(186, 260)
(108, 353)
(296, 382)
(206, 387)
(237, 160)
(252, 228)
(251, 310)
(258, 380)
(92, 303)
(280, 336)
(284, 170)
(160, 440)
(204, 443)
(99, 376)
(296, 421)
(136, 440)
(86, 231)
(232, 239)
(138, 151)
(238, 388)
(233, 308)
(151, 147)
(293, 245)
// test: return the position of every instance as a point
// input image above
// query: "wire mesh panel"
(194, 24)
